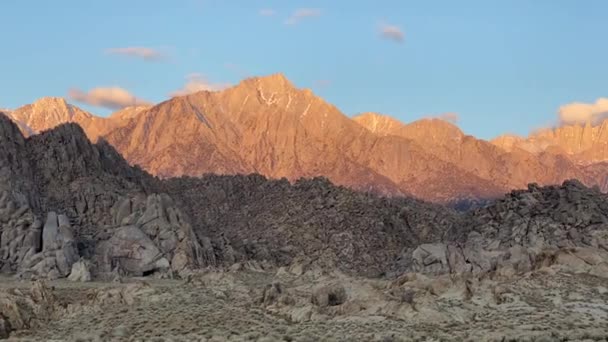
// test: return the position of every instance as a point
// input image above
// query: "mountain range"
(268, 126)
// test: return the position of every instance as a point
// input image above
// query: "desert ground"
(248, 303)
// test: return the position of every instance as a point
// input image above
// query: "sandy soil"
(245, 306)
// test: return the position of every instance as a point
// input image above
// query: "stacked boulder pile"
(524, 231)
(311, 222)
(149, 235)
(70, 208)
(57, 249)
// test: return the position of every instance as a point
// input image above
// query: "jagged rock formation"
(149, 235)
(50, 112)
(65, 200)
(500, 167)
(93, 204)
(586, 143)
(311, 222)
(54, 257)
(522, 232)
(266, 125)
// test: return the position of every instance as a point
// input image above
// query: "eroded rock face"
(311, 221)
(63, 199)
(131, 250)
(21, 235)
(59, 251)
(524, 231)
(151, 234)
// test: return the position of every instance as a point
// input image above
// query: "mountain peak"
(436, 123)
(48, 112)
(277, 83)
(584, 141)
(46, 105)
(378, 123)
(278, 77)
(50, 101)
(419, 129)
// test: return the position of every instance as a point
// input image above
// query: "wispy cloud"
(111, 97)
(302, 13)
(197, 82)
(145, 53)
(322, 83)
(579, 112)
(267, 12)
(392, 32)
(450, 117)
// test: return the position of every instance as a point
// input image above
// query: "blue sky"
(502, 66)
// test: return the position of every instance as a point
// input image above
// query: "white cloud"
(147, 54)
(197, 82)
(392, 32)
(267, 12)
(579, 112)
(302, 13)
(111, 97)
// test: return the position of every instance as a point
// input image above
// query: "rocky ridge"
(585, 143)
(267, 125)
(522, 232)
(65, 199)
(49, 112)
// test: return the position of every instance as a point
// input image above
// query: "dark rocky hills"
(69, 207)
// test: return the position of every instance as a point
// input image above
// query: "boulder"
(165, 238)
(59, 249)
(431, 258)
(329, 295)
(132, 249)
(50, 232)
(80, 272)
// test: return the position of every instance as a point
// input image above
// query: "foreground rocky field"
(248, 303)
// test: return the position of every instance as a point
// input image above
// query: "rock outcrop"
(584, 142)
(311, 222)
(150, 235)
(57, 252)
(50, 112)
(69, 207)
(525, 231)
(66, 203)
